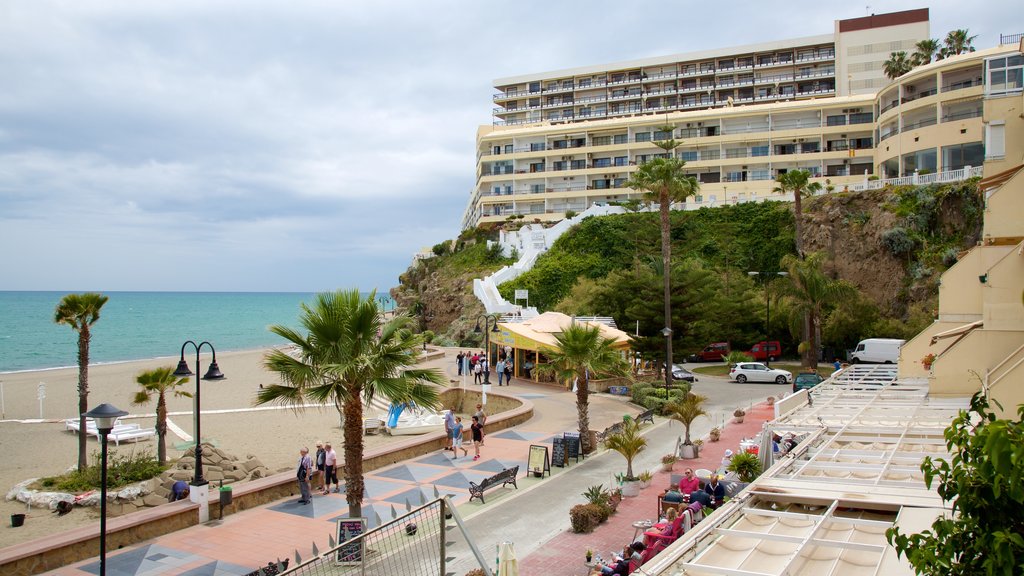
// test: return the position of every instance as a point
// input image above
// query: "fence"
(416, 542)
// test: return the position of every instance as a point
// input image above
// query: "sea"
(142, 325)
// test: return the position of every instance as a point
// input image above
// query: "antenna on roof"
(867, 10)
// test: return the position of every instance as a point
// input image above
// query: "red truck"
(766, 350)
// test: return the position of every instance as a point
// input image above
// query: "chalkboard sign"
(351, 553)
(538, 462)
(572, 446)
(558, 451)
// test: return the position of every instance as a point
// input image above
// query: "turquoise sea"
(140, 325)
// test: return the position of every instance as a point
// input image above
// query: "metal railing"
(917, 179)
(1010, 38)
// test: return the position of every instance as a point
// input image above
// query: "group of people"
(710, 496)
(478, 365)
(620, 564)
(455, 431)
(318, 471)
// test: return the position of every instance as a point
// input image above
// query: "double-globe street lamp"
(104, 416)
(487, 318)
(767, 277)
(212, 373)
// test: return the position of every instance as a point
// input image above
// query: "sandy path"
(33, 449)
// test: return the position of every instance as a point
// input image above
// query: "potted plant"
(629, 443)
(590, 555)
(716, 434)
(927, 361)
(697, 445)
(739, 413)
(668, 461)
(645, 478)
(686, 411)
(746, 466)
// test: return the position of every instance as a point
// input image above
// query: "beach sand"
(30, 448)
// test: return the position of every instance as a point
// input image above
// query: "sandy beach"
(32, 448)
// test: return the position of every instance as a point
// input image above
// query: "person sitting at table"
(670, 515)
(631, 553)
(688, 483)
(673, 497)
(716, 491)
(701, 497)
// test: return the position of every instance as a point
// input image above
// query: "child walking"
(457, 439)
(478, 437)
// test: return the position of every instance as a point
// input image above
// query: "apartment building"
(563, 140)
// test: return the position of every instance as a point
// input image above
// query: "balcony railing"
(920, 124)
(827, 55)
(816, 74)
(1010, 38)
(961, 85)
(888, 134)
(963, 115)
(774, 62)
(937, 177)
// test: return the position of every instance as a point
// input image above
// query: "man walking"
(449, 429)
(458, 362)
(303, 474)
(331, 472)
(500, 367)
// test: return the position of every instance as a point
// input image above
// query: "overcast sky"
(302, 145)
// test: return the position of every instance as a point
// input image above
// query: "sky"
(242, 145)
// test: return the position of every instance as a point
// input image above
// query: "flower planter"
(630, 488)
(688, 451)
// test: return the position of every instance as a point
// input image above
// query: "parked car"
(713, 352)
(877, 350)
(766, 350)
(757, 372)
(806, 381)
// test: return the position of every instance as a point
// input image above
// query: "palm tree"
(581, 351)
(159, 381)
(808, 291)
(629, 443)
(81, 311)
(897, 65)
(798, 182)
(925, 51)
(957, 42)
(349, 354)
(686, 411)
(665, 182)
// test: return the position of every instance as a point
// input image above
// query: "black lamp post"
(212, 373)
(767, 310)
(667, 333)
(104, 415)
(487, 318)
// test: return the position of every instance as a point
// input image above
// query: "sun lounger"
(134, 435)
(372, 425)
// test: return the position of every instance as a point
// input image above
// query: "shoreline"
(128, 361)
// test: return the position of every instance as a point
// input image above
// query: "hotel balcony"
(660, 76)
(773, 63)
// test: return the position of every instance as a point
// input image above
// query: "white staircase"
(530, 242)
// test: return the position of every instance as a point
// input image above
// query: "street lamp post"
(767, 309)
(198, 494)
(667, 333)
(104, 415)
(487, 318)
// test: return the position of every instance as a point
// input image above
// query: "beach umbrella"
(764, 452)
(507, 563)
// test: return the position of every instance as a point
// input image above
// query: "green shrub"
(746, 466)
(585, 517)
(898, 241)
(122, 469)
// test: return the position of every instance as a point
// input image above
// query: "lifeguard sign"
(523, 295)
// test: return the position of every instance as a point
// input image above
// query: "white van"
(877, 350)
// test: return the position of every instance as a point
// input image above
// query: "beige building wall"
(861, 54)
(1004, 211)
(919, 346)
(960, 369)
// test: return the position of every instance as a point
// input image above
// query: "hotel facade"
(565, 140)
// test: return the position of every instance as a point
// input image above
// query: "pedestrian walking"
(457, 439)
(481, 416)
(500, 367)
(303, 475)
(508, 372)
(331, 469)
(449, 429)
(321, 466)
(478, 437)
(458, 362)
(478, 372)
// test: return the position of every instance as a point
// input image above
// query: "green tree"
(925, 51)
(798, 183)
(159, 381)
(629, 443)
(687, 411)
(581, 352)
(349, 354)
(808, 292)
(665, 181)
(81, 311)
(897, 65)
(957, 42)
(984, 483)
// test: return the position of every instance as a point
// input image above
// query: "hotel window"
(585, 82)
(918, 161)
(619, 183)
(602, 162)
(643, 136)
(620, 138)
(759, 150)
(957, 156)
(1005, 74)
(621, 161)
(689, 156)
(662, 135)
(578, 164)
(537, 147)
(536, 188)
(601, 140)
(534, 86)
(995, 140)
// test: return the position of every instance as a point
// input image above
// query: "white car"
(757, 372)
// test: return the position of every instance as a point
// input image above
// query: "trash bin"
(17, 520)
(225, 496)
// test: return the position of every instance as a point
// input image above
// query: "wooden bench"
(505, 477)
(646, 416)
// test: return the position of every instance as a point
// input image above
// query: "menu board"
(538, 462)
(351, 553)
(572, 445)
(558, 451)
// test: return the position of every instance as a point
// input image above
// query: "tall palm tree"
(897, 65)
(349, 354)
(925, 51)
(798, 183)
(665, 181)
(808, 291)
(81, 311)
(581, 352)
(958, 42)
(629, 443)
(159, 381)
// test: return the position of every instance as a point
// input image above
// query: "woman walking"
(478, 437)
(457, 439)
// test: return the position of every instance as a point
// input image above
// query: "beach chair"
(372, 425)
(133, 434)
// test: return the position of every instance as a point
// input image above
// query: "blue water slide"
(393, 413)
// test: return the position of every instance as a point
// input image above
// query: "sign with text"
(352, 553)
(522, 294)
(538, 462)
(572, 445)
(558, 451)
